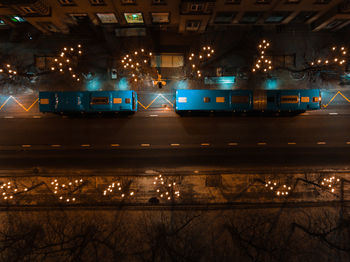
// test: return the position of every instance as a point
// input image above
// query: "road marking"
(321, 143)
(115, 145)
(175, 144)
(8, 117)
(26, 146)
(305, 114)
(232, 144)
(262, 144)
(292, 143)
(348, 143)
(153, 115)
(333, 113)
(205, 144)
(85, 145)
(55, 145)
(36, 116)
(145, 145)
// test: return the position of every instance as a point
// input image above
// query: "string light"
(335, 57)
(205, 52)
(166, 189)
(262, 62)
(330, 183)
(66, 192)
(9, 190)
(277, 188)
(118, 189)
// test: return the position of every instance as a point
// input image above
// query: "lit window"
(220, 100)
(66, 2)
(133, 18)
(97, 2)
(206, 99)
(305, 99)
(315, 99)
(107, 18)
(16, 19)
(158, 2)
(193, 25)
(128, 1)
(160, 18)
(182, 100)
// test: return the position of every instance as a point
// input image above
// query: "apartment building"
(133, 17)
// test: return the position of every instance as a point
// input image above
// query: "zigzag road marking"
(338, 93)
(19, 103)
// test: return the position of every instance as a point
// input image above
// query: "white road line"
(55, 145)
(321, 143)
(175, 144)
(115, 145)
(333, 113)
(153, 115)
(8, 117)
(292, 143)
(232, 144)
(205, 144)
(261, 144)
(26, 146)
(145, 145)
(348, 143)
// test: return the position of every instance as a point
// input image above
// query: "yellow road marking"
(145, 145)
(85, 145)
(261, 144)
(36, 116)
(55, 145)
(175, 144)
(205, 144)
(338, 93)
(292, 143)
(115, 145)
(26, 145)
(232, 144)
(348, 143)
(321, 143)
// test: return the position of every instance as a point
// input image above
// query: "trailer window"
(127, 100)
(220, 100)
(289, 99)
(117, 100)
(305, 99)
(44, 101)
(99, 100)
(206, 99)
(315, 99)
(182, 100)
(240, 99)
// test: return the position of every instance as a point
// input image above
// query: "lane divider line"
(56, 145)
(262, 144)
(8, 117)
(85, 145)
(175, 144)
(205, 144)
(292, 143)
(26, 146)
(232, 144)
(145, 145)
(36, 116)
(153, 115)
(348, 143)
(321, 143)
(115, 145)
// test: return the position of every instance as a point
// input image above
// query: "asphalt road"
(313, 141)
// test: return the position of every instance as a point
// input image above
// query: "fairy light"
(197, 58)
(262, 63)
(335, 57)
(330, 183)
(277, 188)
(66, 192)
(9, 190)
(118, 189)
(165, 188)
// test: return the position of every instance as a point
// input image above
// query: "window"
(303, 16)
(224, 17)
(305, 99)
(316, 99)
(322, 2)
(160, 18)
(159, 2)
(196, 7)
(277, 17)
(66, 2)
(262, 1)
(133, 18)
(235, 2)
(206, 99)
(193, 25)
(127, 100)
(220, 100)
(97, 2)
(182, 99)
(44, 101)
(128, 1)
(99, 100)
(28, 9)
(289, 99)
(107, 18)
(240, 99)
(117, 100)
(250, 17)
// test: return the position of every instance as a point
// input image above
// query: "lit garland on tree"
(336, 57)
(119, 190)
(278, 189)
(330, 183)
(137, 64)
(66, 191)
(196, 60)
(263, 62)
(166, 189)
(8, 190)
(67, 60)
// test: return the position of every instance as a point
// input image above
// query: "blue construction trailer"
(87, 101)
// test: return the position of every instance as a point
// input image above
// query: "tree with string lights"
(197, 60)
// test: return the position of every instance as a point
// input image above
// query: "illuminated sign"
(134, 18)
